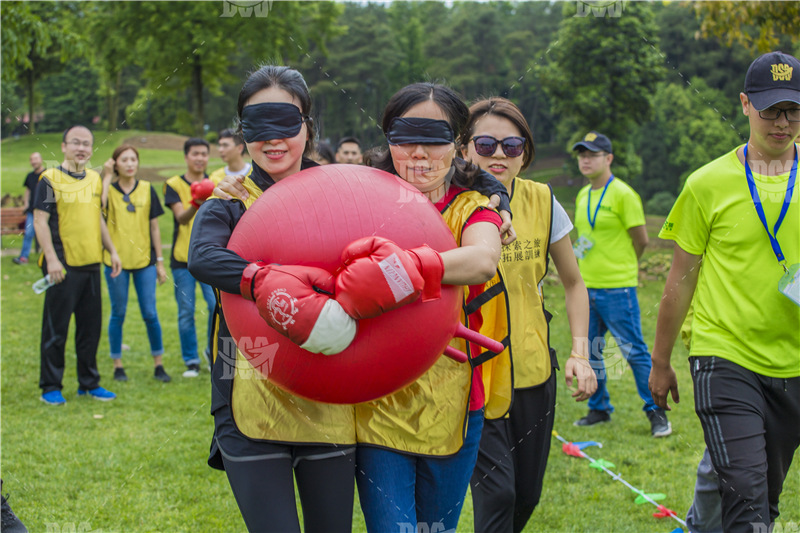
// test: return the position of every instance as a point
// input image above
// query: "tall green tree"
(188, 46)
(685, 134)
(37, 39)
(601, 73)
(758, 26)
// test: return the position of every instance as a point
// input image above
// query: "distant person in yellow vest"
(231, 148)
(348, 151)
(70, 227)
(611, 238)
(507, 481)
(184, 194)
(738, 216)
(132, 209)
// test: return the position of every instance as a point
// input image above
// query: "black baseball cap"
(595, 142)
(773, 78)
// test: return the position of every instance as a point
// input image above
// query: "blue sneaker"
(98, 394)
(54, 397)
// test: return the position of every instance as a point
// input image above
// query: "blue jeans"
(617, 311)
(403, 493)
(27, 240)
(144, 281)
(184, 295)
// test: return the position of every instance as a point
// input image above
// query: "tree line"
(661, 79)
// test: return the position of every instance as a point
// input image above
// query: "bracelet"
(579, 356)
(160, 259)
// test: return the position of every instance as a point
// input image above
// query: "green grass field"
(138, 463)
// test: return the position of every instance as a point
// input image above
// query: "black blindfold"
(265, 122)
(419, 131)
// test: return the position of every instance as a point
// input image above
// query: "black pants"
(507, 481)
(750, 424)
(79, 293)
(262, 476)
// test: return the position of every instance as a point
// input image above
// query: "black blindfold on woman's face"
(265, 122)
(419, 131)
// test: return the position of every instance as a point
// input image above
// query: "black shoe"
(161, 375)
(659, 425)
(20, 260)
(120, 375)
(594, 417)
(9, 523)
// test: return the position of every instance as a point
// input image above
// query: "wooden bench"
(12, 220)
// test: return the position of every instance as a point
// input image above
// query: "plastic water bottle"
(42, 285)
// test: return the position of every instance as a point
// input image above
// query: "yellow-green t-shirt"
(611, 262)
(739, 314)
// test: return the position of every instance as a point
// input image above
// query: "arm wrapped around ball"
(296, 302)
(378, 276)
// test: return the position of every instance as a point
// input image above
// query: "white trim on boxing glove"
(333, 331)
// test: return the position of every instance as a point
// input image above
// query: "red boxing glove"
(379, 276)
(296, 302)
(201, 190)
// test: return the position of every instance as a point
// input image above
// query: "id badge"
(789, 284)
(582, 246)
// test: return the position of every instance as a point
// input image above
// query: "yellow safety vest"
(428, 417)
(79, 209)
(180, 248)
(526, 362)
(130, 231)
(263, 411)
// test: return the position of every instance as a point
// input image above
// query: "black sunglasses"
(486, 145)
(127, 199)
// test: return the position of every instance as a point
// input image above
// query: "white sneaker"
(192, 371)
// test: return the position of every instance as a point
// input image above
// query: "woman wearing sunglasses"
(132, 209)
(507, 481)
(417, 447)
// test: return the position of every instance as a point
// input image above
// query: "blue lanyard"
(760, 209)
(596, 209)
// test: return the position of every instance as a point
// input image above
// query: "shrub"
(660, 203)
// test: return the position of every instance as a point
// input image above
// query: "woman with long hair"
(132, 209)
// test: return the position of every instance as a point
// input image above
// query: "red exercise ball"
(308, 219)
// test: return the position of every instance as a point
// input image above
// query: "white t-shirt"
(244, 172)
(562, 225)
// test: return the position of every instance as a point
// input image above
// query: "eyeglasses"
(78, 144)
(588, 154)
(774, 113)
(127, 199)
(485, 145)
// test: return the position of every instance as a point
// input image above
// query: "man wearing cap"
(611, 238)
(739, 215)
